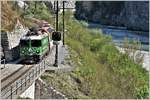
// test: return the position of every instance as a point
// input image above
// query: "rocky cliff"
(131, 14)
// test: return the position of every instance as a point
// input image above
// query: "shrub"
(98, 57)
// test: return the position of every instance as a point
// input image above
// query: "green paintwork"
(41, 50)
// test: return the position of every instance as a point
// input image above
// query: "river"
(118, 35)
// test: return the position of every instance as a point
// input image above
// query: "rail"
(20, 85)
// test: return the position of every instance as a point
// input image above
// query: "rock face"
(131, 14)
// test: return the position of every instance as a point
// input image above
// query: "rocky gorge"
(134, 15)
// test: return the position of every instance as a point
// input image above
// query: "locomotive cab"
(34, 47)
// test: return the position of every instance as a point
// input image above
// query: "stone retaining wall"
(44, 91)
(10, 44)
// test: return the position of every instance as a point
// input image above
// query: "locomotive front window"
(24, 42)
(36, 43)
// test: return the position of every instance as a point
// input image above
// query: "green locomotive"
(34, 46)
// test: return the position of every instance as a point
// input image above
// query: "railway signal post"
(56, 54)
(63, 23)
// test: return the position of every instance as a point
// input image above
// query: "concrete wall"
(6, 48)
(29, 93)
(44, 91)
(10, 44)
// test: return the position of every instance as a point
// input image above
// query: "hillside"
(8, 16)
(101, 71)
(131, 14)
(11, 12)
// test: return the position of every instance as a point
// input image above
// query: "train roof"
(34, 37)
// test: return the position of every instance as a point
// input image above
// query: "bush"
(100, 62)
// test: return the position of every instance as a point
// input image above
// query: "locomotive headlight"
(37, 51)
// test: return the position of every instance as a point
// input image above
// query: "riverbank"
(146, 57)
(119, 34)
(101, 70)
(95, 25)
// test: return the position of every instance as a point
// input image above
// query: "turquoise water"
(118, 37)
(118, 34)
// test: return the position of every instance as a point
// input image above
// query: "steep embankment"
(131, 14)
(101, 71)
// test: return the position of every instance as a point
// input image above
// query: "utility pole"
(35, 6)
(24, 7)
(63, 23)
(56, 54)
(16, 6)
(54, 6)
(24, 10)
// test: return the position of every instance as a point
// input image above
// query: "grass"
(101, 71)
(106, 72)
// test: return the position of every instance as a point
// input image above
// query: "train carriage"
(34, 46)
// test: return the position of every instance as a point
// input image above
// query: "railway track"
(6, 81)
(20, 81)
(4, 77)
(14, 76)
(25, 74)
(16, 83)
